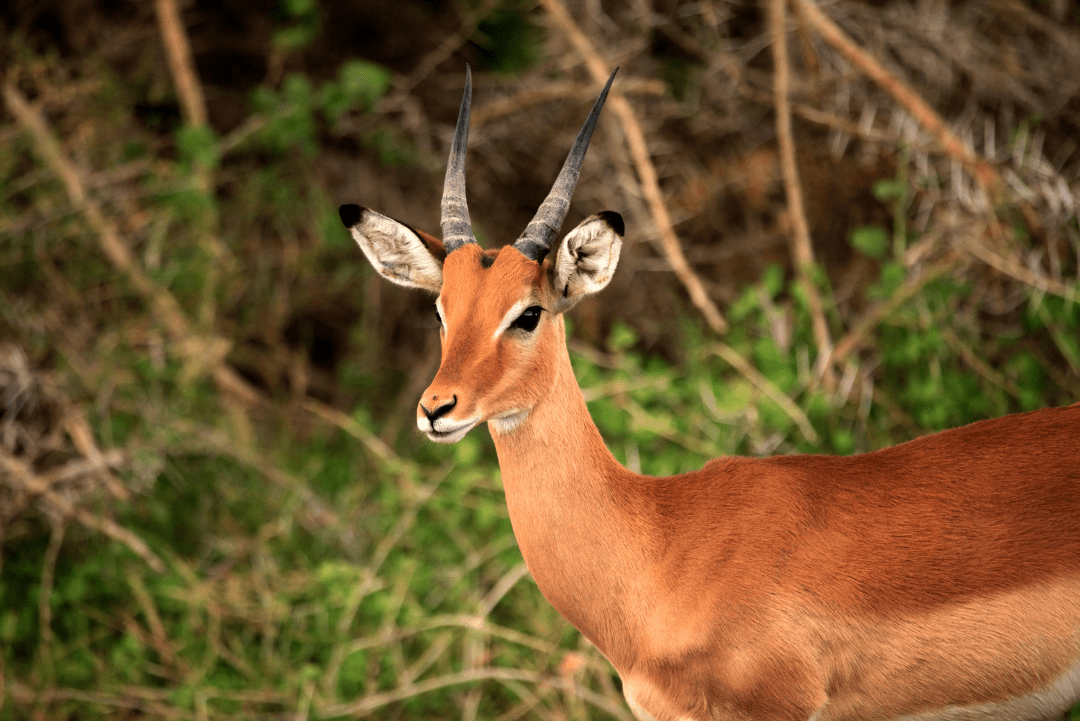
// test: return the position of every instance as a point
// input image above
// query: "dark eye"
(438, 317)
(527, 321)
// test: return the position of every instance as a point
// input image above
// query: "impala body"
(938, 579)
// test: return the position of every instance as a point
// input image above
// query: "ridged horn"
(535, 242)
(456, 226)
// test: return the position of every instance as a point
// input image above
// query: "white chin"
(448, 435)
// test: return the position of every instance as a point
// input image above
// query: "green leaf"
(298, 90)
(353, 674)
(359, 83)
(299, 8)
(889, 189)
(334, 234)
(1068, 345)
(467, 451)
(507, 39)
(296, 37)
(198, 145)
(773, 279)
(363, 81)
(749, 301)
(394, 152)
(870, 240)
(621, 338)
(843, 441)
(892, 277)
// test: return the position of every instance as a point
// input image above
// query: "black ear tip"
(614, 220)
(350, 214)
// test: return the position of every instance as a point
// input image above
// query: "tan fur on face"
(489, 375)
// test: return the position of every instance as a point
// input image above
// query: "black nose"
(439, 411)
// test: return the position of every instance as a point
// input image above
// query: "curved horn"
(456, 226)
(535, 242)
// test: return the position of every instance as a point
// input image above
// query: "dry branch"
(48, 576)
(1010, 267)
(166, 308)
(546, 92)
(403, 86)
(902, 93)
(766, 386)
(159, 637)
(24, 478)
(861, 329)
(979, 365)
(802, 249)
(182, 67)
(345, 422)
(378, 700)
(815, 115)
(639, 153)
(316, 514)
(83, 439)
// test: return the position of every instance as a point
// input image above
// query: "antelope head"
(500, 310)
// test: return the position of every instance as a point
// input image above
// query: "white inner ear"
(585, 261)
(396, 252)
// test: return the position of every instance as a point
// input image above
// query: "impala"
(937, 579)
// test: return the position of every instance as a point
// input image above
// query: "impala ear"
(401, 254)
(586, 259)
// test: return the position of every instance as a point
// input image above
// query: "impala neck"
(570, 505)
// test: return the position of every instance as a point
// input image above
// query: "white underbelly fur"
(1042, 705)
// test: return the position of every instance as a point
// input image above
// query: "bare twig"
(48, 575)
(861, 329)
(980, 366)
(547, 92)
(79, 467)
(188, 88)
(1008, 266)
(158, 636)
(902, 93)
(369, 583)
(166, 308)
(821, 117)
(752, 374)
(316, 514)
(149, 702)
(663, 428)
(182, 67)
(403, 86)
(378, 700)
(342, 420)
(83, 438)
(639, 152)
(24, 477)
(802, 249)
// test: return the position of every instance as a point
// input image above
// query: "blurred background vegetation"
(213, 503)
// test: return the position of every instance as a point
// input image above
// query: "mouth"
(446, 431)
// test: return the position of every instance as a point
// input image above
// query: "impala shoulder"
(791, 471)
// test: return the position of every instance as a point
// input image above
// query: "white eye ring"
(512, 315)
(440, 313)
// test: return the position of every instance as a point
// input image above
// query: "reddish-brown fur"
(687, 581)
(939, 577)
